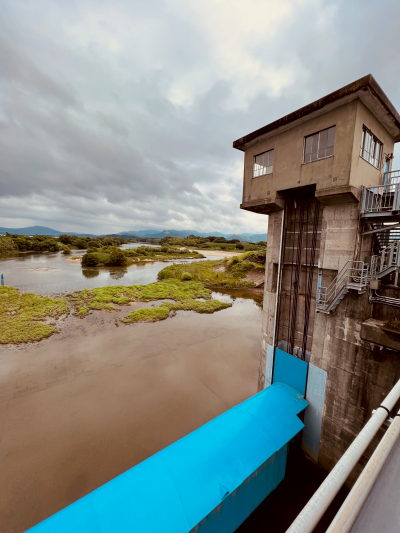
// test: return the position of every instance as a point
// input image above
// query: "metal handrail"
(353, 273)
(381, 198)
(319, 503)
(389, 257)
(391, 177)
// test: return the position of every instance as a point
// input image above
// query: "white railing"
(381, 198)
(354, 274)
(389, 257)
(319, 503)
(392, 177)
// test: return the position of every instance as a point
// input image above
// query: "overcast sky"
(120, 114)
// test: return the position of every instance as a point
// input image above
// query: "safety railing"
(391, 177)
(354, 275)
(381, 198)
(312, 513)
(387, 259)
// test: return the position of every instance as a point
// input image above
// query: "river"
(86, 404)
(83, 406)
(51, 273)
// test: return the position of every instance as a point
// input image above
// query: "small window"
(319, 145)
(371, 148)
(263, 164)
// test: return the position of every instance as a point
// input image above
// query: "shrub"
(240, 246)
(117, 258)
(90, 260)
(66, 250)
(186, 276)
(80, 244)
(65, 239)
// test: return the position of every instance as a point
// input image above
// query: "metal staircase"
(380, 216)
(380, 210)
(386, 262)
(354, 276)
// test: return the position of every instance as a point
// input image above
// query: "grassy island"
(27, 317)
(228, 274)
(185, 296)
(112, 256)
(24, 317)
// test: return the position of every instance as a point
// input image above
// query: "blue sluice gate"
(209, 481)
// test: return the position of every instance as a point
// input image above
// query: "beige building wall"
(359, 374)
(362, 172)
(288, 170)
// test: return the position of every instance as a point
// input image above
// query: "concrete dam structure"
(323, 174)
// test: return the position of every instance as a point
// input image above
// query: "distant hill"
(42, 230)
(32, 230)
(149, 234)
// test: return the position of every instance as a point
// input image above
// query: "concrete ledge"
(342, 194)
(371, 331)
(265, 206)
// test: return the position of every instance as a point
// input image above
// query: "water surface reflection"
(50, 273)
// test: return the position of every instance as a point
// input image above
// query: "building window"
(263, 164)
(319, 145)
(371, 148)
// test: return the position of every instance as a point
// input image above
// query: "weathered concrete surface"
(360, 375)
(371, 331)
(84, 406)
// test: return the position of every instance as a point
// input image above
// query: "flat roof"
(379, 104)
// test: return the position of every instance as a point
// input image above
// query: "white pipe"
(348, 513)
(319, 503)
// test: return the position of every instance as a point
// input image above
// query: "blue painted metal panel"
(230, 457)
(269, 365)
(316, 383)
(234, 510)
(290, 370)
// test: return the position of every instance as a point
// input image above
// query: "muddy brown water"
(85, 405)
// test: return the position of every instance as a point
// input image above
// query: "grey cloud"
(89, 134)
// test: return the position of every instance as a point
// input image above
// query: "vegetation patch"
(213, 274)
(111, 256)
(23, 315)
(213, 243)
(7, 246)
(103, 298)
(167, 309)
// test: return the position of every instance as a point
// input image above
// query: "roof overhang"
(366, 88)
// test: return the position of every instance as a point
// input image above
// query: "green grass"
(167, 309)
(104, 297)
(22, 315)
(204, 272)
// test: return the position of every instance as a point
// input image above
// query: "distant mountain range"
(150, 234)
(41, 230)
